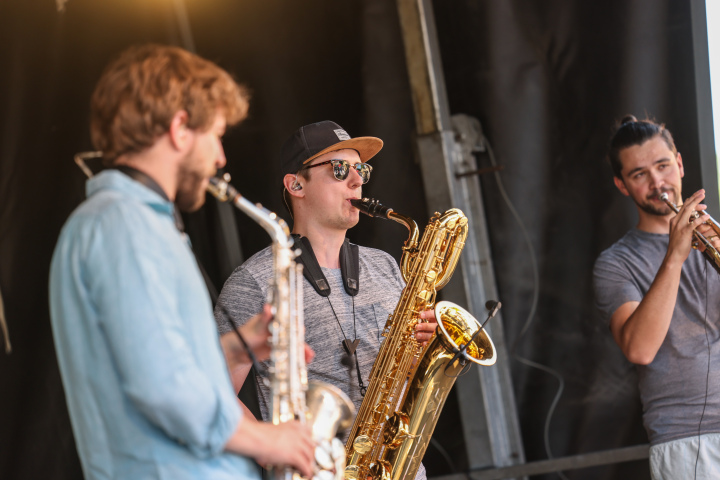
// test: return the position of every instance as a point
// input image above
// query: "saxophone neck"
(373, 208)
(411, 244)
(274, 225)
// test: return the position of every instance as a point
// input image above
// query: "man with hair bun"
(145, 377)
(660, 299)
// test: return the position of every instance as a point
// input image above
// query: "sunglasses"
(341, 169)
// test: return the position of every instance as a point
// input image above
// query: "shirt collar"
(118, 181)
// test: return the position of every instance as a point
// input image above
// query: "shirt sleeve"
(169, 362)
(614, 286)
(241, 298)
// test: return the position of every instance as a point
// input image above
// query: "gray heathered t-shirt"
(672, 387)
(381, 284)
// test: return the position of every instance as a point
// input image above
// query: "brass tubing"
(710, 252)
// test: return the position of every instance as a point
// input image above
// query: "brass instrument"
(322, 406)
(408, 385)
(710, 252)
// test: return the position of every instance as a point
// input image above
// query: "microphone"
(493, 307)
(346, 361)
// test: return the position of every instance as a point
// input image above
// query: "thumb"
(266, 315)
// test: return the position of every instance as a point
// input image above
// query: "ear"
(288, 181)
(181, 137)
(621, 186)
(678, 158)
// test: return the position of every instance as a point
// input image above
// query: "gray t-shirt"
(673, 386)
(381, 284)
(245, 292)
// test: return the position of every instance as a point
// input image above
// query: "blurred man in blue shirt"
(145, 377)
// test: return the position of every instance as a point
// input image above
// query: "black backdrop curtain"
(546, 79)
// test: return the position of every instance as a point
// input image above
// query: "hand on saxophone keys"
(288, 443)
(256, 333)
(426, 329)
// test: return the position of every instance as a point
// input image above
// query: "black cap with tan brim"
(311, 141)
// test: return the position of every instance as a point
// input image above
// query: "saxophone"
(408, 385)
(325, 408)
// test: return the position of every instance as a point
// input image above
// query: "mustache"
(655, 194)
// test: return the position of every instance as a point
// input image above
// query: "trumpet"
(711, 253)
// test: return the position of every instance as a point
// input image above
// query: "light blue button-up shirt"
(145, 378)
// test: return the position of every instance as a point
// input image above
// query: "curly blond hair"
(139, 93)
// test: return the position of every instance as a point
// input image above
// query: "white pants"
(676, 460)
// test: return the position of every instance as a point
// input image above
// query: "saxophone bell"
(464, 335)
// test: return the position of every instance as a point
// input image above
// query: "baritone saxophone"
(409, 384)
(324, 407)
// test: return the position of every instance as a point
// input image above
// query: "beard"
(659, 210)
(192, 184)
(190, 195)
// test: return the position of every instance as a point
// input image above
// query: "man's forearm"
(642, 335)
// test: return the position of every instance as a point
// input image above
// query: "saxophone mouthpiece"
(221, 189)
(664, 197)
(371, 207)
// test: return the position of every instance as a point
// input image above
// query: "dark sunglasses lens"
(364, 171)
(340, 169)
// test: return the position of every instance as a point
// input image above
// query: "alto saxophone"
(324, 407)
(408, 385)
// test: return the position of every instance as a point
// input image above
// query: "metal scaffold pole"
(444, 149)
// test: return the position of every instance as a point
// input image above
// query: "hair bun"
(628, 119)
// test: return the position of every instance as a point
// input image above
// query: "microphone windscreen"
(346, 360)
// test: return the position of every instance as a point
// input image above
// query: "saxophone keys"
(424, 296)
(352, 472)
(323, 475)
(430, 277)
(362, 444)
(380, 470)
(396, 430)
(324, 456)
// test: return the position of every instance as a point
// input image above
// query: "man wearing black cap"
(349, 290)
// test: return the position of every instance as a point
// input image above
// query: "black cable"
(361, 384)
(444, 454)
(533, 306)
(707, 377)
(256, 365)
(212, 291)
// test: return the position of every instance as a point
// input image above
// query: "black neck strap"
(349, 267)
(146, 180)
